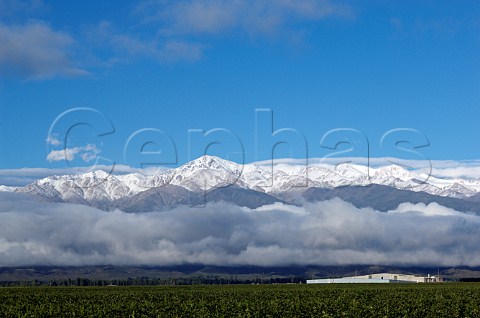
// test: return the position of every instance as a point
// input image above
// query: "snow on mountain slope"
(209, 172)
(81, 188)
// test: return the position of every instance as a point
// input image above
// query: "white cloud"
(324, 233)
(87, 153)
(35, 51)
(432, 209)
(63, 154)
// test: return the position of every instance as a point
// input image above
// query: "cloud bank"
(325, 233)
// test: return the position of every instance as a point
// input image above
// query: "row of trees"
(147, 281)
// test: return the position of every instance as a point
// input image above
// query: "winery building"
(384, 278)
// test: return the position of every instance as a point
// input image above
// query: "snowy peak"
(210, 162)
(456, 190)
(205, 173)
(392, 171)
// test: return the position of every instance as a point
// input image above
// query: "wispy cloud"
(445, 28)
(169, 32)
(325, 233)
(253, 16)
(87, 153)
(9, 8)
(36, 51)
(123, 47)
(53, 140)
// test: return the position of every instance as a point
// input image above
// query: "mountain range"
(212, 179)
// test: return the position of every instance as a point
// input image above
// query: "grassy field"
(399, 300)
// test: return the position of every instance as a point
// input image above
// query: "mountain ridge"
(210, 178)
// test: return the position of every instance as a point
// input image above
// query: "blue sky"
(172, 66)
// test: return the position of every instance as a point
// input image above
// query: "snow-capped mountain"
(209, 173)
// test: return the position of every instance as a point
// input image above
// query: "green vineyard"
(408, 300)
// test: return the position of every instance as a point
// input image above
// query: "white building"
(377, 278)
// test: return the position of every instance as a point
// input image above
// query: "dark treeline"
(147, 281)
(469, 280)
